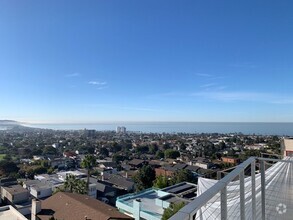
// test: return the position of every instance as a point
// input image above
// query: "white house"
(39, 188)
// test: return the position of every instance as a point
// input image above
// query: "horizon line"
(121, 122)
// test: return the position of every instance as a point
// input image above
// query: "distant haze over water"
(185, 127)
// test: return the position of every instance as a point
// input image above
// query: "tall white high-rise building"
(120, 130)
(123, 130)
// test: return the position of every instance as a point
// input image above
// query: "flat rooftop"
(148, 202)
(153, 201)
(76, 173)
(8, 212)
(15, 189)
(53, 179)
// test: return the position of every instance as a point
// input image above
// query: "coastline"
(260, 128)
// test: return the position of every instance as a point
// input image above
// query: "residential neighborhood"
(133, 175)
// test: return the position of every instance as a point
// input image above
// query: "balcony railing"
(264, 195)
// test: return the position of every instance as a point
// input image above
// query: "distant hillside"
(15, 126)
(9, 122)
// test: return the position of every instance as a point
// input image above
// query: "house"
(137, 163)
(151, 203)
(104, 171)
(69, 154)
(52, 179)
(202, 163)
(108, 165)
(112, 186)
(38, 157)
(8, 181)
(169, 170)
(119, 181)
(259, 146)
(78, 174)
(39, 189)
(165, 171)
(231, 160)
(14, 194)
(180, 166)
(155, 163)
(107, 193)
(193, 169)
(57, 162)
(45, 184)
(76, 207)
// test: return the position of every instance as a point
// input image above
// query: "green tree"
(182, 176)
(161, 182)
(49, 150)
(7, 157)
(117, 158)
(75, 185)
(160, 154)
(182, 146)
(166, 146)
(89, 162)
(142, 149)
(173, 154)
(7, 168)
(116, 147)
(50, 170)
(80, 187)
(145, 177)
(153, 148)
(104, 152)
(91, 150)
(40, 170)
(222, 145)
(70, 182)
(171, 210)
(45, 163)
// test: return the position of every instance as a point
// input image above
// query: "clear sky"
(146, 60)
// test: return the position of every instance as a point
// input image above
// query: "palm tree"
(75, 185)
(88, 163)
(70, 182)
(80, 187)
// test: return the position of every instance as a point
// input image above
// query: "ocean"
(282, 129)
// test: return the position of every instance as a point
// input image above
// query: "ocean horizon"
(258, 128)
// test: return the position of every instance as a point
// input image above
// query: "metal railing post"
(242, 196)
(219, 175)
(253, 203)
(263, 190)
(224, 203)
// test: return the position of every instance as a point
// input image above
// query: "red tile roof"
(71, 206)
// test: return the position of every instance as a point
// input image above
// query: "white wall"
(92, 192)
(42, 192)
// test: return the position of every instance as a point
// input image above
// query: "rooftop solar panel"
(180, 189)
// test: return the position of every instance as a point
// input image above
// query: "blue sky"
(154, 60)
